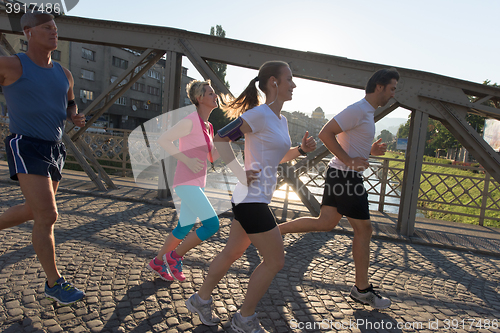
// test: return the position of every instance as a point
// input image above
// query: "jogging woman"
(267, 144)
(195, 135)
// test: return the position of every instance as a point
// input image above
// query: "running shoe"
(252, 325)
(370, 297)
(160, 269)
(205, 311)
(63, 292)
(174, 266)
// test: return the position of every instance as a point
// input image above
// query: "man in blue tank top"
(39, 95)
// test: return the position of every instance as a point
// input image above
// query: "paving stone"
(104, 244)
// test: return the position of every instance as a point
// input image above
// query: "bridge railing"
(449, 192)
(443, 187)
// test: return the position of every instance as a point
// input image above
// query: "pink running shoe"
(161, 269)
(174, 266)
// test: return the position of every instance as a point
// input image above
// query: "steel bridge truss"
(425, 94)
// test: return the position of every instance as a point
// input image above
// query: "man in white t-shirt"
(349, 137)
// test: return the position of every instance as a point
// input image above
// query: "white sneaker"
(371, 298)
(205, 311)
(251, 326)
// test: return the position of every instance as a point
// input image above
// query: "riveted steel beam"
(9, 50)
(109, 96)
(454, 120)
(413, 168)
(203, 68)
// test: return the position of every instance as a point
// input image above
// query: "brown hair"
(250, 97)
(382, 77)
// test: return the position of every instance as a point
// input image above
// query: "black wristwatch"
(301, 151)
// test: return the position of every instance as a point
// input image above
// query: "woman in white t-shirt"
(267, 144)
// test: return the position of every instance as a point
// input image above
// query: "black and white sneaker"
(370, 297)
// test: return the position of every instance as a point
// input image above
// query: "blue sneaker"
(63, 292)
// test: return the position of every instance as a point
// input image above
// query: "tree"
(218, 118)
(386, 136)
(404, 130)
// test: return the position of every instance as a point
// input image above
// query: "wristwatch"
(301, 151)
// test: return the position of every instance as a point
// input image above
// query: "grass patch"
(441, 186)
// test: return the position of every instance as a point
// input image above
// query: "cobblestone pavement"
(103, 246)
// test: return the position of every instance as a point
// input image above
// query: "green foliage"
(438, 184)
(386, 136)
(404, 129)
(218, 118)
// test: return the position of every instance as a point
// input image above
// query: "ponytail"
(250, 97)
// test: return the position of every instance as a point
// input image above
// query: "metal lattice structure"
(425, 94)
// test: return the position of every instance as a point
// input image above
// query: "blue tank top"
(37, 101)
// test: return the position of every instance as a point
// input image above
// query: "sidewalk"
(105, 240)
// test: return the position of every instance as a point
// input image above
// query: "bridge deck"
(427, 231)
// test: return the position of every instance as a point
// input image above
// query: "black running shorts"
(254, 217)
(345, 191)
(34, 156)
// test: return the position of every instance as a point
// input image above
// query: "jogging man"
(349, 137)
(39, 95)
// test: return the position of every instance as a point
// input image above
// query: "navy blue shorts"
(345, 191)
(34, 156)
(254, 217)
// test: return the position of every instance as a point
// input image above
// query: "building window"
(121, 101)
(88, 54)
(155, 107)
(138, 104)
(154, 74)
(138, 86)
(87, 75)
(24, 45)
(113, 78)
(121, 63)
(56, 55)
(153, 91)
(86, 95)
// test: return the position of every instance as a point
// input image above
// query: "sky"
(455, 38)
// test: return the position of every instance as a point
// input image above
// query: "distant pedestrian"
(349, 137)
(195, 135)
(39, 95)
(267, 143)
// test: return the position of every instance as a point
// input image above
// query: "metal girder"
(9, 50)
(171, 101)
(477, 106)
(454, 120)
(108, 97)
(413, 169)
(89, 155)
(172, 89)
(203, 68)
(83, 162)
(385, 110)
(307, 198)
(309, 65)
(292, 173)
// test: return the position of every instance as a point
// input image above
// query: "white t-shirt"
(265, 147)
(358, 130)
